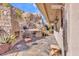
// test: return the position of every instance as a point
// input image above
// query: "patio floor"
(35, 48)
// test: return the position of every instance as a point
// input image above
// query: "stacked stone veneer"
(5, 18)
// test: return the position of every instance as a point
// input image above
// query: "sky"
(28, 7)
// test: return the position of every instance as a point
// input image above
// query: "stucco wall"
(73, 29)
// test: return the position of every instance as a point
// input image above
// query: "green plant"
(6, 5)
(7, 39)
(18, 12)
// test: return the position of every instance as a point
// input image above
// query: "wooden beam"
(42, 8)
(56, 6)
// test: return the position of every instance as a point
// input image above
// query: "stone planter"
(4, 48)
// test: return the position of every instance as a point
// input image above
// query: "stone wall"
(5, 19)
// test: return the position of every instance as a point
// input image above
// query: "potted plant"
(5, 43)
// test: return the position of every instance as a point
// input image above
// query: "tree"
(6, 5)
(18, 12)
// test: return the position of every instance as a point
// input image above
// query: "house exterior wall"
(72, 17)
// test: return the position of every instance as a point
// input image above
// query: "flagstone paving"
(36, 48)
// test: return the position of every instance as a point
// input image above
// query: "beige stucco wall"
(72, 15)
